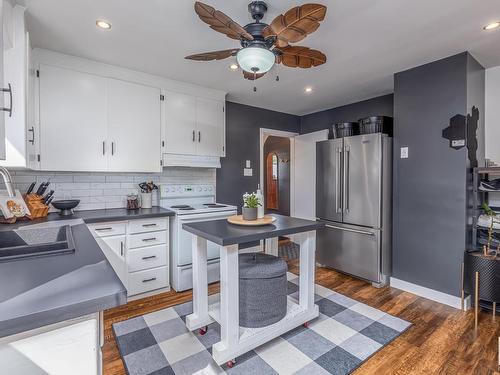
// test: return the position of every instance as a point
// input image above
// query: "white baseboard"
(431, 294)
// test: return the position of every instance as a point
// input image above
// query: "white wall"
(493, 114)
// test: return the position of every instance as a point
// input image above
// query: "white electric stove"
(191, 203)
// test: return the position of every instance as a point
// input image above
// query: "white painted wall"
(493, 114)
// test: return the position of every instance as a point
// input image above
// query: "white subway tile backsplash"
(108, 190)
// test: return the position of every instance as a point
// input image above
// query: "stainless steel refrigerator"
(354, 200)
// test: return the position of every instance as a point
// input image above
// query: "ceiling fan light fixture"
(255, 59)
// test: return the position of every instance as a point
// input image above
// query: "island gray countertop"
(224, 233)
(41, 291)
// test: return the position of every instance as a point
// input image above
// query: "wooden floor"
(441, 340)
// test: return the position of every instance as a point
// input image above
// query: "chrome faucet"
(7, 179)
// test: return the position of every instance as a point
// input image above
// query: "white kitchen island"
(236, 340)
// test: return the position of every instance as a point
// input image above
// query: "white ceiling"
(366, 41)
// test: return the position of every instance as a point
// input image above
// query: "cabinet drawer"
(146, 239)
(148, 225)
(108, 229)
(146, 257)
(145, 281)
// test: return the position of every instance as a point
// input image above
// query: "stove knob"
(179, 189)
(167, 190)
(209, 188)
(205, 188)
(199, 188)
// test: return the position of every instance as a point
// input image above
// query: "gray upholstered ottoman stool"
(263, 289)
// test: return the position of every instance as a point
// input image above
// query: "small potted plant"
(251, 203)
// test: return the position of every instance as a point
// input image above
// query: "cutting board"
(238, 220)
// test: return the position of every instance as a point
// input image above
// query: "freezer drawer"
(350, 249)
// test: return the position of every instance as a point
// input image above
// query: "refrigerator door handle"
(346, 179)
(350, 230)
(338, 153)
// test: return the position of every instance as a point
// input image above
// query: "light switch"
(248, 165)
(248, 172)
(404, 152)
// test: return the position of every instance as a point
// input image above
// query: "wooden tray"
(238, 220)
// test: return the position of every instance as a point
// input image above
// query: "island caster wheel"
(230, 364)
(203, 330)
(306, 324)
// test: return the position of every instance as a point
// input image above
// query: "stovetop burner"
(215, 205)
(181, 206)
(188, 208)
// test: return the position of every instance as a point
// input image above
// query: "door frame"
(264, 133)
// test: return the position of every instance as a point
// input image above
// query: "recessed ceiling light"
(103, 24)
(233, 67)
(308, 89)
(492, 25)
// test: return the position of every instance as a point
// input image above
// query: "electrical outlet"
(248, 172)
(248, 165)
(404, 152)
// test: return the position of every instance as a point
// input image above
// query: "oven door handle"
(203, 216)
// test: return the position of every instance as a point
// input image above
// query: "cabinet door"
(180, 124)
(134, 127)
(210, 127)
(72, 120)
(2, 116)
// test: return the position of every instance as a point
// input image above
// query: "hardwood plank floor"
(441, 340)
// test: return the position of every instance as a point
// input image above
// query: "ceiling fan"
(264, 45)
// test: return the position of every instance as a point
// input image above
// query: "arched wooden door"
(272, 198)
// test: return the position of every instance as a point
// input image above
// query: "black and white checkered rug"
(345, 335)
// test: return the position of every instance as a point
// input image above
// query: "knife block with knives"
(37, 203)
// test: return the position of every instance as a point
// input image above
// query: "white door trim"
(264, 133)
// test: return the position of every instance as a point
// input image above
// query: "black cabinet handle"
(149, 239)
(103, 147)
(149, 257)
(101, 229)
(9, 90)
(199, 137)
(148, 225)
(121, 248)
(148, 280)
(194, 136)
(112, 148)
(32, 130)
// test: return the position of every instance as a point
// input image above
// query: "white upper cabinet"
(134, 127)
(180, 124)
(194, 125)
(72, 120)
(2, 118)
(210, 127)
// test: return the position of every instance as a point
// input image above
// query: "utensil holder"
(146, 200)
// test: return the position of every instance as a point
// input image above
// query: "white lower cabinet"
(138, 252)
(70, 347)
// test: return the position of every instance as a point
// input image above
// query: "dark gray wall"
(242, 143)
(379, 106)
(281, 147)
(430, 187)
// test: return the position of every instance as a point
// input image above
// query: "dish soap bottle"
(260, 208)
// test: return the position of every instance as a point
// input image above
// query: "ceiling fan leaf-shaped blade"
(214, 55)
(301, 57)
(250, 76)
(220, 22)
(296, 23)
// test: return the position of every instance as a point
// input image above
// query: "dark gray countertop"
(223, 233)
(97, 216)
(41, 291)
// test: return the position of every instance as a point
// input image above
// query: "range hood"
(195, 161)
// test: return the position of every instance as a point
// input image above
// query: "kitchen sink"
(35, 242)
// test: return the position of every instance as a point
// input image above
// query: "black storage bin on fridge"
(376, 124)
(345, 129)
